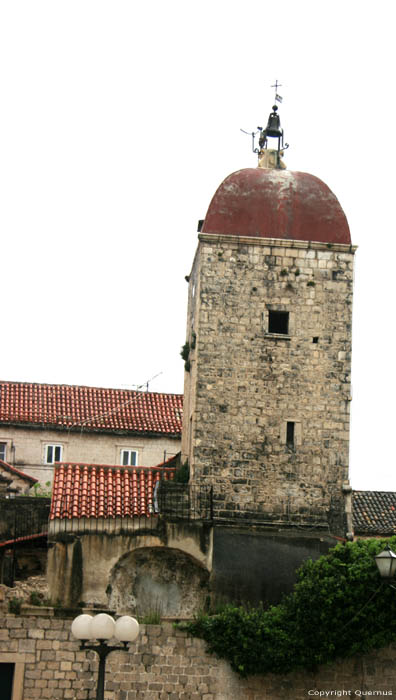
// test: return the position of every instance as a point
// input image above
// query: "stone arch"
(158, 579)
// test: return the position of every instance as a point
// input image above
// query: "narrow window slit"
(290, 434)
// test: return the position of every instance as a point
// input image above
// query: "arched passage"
(158, 579)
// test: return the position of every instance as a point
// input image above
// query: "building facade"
(42, 424)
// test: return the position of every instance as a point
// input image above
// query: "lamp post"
(386, 564)
(102, 628)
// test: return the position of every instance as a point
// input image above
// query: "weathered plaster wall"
(86, 567)
(245, 383)
(165, 664)
(26, 448)
(179, 566)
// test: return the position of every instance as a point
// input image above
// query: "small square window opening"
(278, 322)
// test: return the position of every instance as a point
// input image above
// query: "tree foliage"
(339, 607)
(40, 491)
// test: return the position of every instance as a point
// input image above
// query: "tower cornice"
(279, 242)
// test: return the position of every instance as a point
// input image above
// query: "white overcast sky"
(118, 121)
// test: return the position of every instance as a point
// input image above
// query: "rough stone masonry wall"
(166, 664)
(245, 384)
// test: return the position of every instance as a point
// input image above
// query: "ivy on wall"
(185, 355)
(339, 607)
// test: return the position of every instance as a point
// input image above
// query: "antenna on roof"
(137, 387)
(253, 134)
(150, 380)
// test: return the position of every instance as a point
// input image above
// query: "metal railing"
(23, 517)
(185, 501)
(22, 520)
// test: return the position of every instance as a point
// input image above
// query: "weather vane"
(272, 130)
(278, 98)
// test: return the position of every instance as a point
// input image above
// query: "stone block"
(65, 665)
(65, 655)
(34, 633)
(27, 645)
(13, 622)
(18, 634)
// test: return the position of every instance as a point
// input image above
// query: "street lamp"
(386, 563)
(102, 628)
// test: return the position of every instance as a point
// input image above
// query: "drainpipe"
(347, 491)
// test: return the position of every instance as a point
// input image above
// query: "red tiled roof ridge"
(65, 406)
(88, 386)
(365, 491)
(123, 467)
(18, 472)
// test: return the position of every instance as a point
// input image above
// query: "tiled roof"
(90, 408)
(104, 491)
(374, 512)
(16, 472)
(25, 538)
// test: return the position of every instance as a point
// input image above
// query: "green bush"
(182, 474)
(152, 617)
(40, 491)
(36, 598)
(14, 606)
(339, 607)
(185, 354)
(185, 351)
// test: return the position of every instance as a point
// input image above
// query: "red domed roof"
(268, 203)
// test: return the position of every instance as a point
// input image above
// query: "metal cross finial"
(276, 87)
(278, 98)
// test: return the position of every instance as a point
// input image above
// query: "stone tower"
(268, 351)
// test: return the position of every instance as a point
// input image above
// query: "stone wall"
(246, 382)
(165, 664)
(28, 448)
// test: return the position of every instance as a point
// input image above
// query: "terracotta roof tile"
(17, 472)
(374, 512)
(106, 491)
(25, 538)
(91, 408)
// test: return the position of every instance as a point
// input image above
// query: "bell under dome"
(273, 203)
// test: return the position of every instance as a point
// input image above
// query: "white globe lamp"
(126, 629)
(82, 626)
(102, 626)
